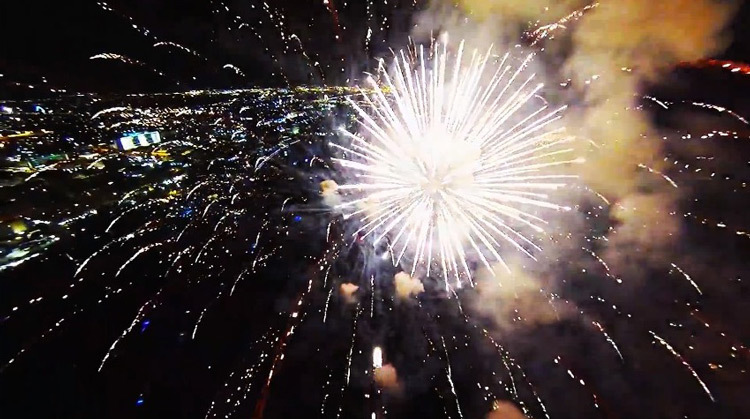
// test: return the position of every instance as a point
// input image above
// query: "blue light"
(139, 401)
(297, 218)
(144, 325)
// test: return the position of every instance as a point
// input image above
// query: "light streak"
(203, 313)
(136, 320)
(654, 171)
(604, 264)
(109, 110)
(180, 47)
(449, 374)
(235, 69)
(689, 279)
(138, 253)
(18, 262)
(351, 348)
(609, 339)
(685, 363)
(105, 247)
(545, 31)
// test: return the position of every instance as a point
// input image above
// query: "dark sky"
(54, 40)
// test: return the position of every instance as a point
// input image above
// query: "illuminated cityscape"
(64, 160)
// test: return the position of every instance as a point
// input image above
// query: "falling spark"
(328, 301)
(449, 374)
(124, 59)
(685, 363)
(180, 47)
(105, 247)
(235, 69)
(609, 340)
(654, 171)
(138, 317)
(351, 347)
(110, 110)
(239, 277)
(689, 279)
(604, 264)
(203, 313)
(545, 31)
(138, 253)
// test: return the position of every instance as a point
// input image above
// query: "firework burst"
(454, 160)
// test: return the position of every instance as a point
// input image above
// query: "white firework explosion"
(454, 158)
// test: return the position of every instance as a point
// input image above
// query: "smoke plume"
(329, 190)
(505, 410)
(406, 286)
(605, 53)
(387, 378)
(347, 291)
(612, 48)
(615, 47)
(516, 297)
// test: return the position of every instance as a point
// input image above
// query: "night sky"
(54, 40)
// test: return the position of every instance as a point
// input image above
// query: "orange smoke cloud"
(505, 410)
(347, 291)
(406, 286)
(386, 377)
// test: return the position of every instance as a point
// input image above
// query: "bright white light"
(454, 159)
(377, 357)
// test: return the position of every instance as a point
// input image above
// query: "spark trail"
(685, 363)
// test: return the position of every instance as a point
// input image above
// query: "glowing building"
(136, 140)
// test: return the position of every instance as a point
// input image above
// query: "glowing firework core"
(452, 159)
